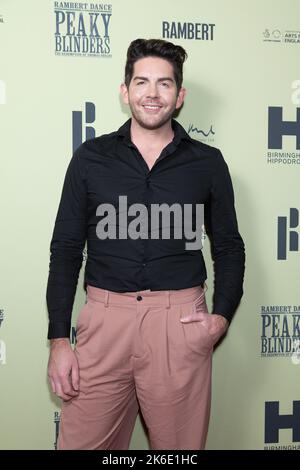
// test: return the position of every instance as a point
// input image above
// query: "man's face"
(152, 94)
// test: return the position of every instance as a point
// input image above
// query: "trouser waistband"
(145, 297)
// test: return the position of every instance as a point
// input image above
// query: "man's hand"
(63, 371)
(214, 323)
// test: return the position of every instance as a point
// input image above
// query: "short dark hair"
(140, 48)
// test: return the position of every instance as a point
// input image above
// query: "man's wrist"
(54, 341)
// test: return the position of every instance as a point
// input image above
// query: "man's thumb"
(75, 377)
(185, 319)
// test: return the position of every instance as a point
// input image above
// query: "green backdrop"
(243, 64)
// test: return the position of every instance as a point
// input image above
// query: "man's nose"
(152, 91)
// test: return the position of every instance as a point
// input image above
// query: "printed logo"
(77, 125)
(1, 19)
(282, 36)
(280, 331)
(206, 136)
(279, 129)
(197, 31)
(82, 29)
(287, 237)
(1, 316)
(274, 422)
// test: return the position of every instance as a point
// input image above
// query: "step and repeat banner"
(61, 65)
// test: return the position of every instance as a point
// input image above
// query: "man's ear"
(124, 93)
(180, 98)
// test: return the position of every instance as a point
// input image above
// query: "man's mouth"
(152, 107)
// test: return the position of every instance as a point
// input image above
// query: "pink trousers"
(135, 354)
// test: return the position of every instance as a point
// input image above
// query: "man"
(144, 336)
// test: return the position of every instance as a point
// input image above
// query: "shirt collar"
(179, 131)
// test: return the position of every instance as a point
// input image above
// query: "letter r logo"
(282, 234)
(77, 124)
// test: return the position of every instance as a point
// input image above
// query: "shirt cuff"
(59, 330)
(223, 307)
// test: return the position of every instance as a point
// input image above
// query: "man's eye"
(165, 84)
(140, 83)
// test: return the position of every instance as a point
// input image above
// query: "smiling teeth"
(151, 107)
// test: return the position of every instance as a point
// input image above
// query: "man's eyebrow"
(140, 78)
(162, 79)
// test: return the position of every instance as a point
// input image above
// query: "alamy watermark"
(188, 222)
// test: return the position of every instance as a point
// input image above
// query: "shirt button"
(139, 297)
(144, 264)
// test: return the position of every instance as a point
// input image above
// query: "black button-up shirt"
(186, 172)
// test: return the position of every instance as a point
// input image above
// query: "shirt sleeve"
(227, 246)
(66, 249)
